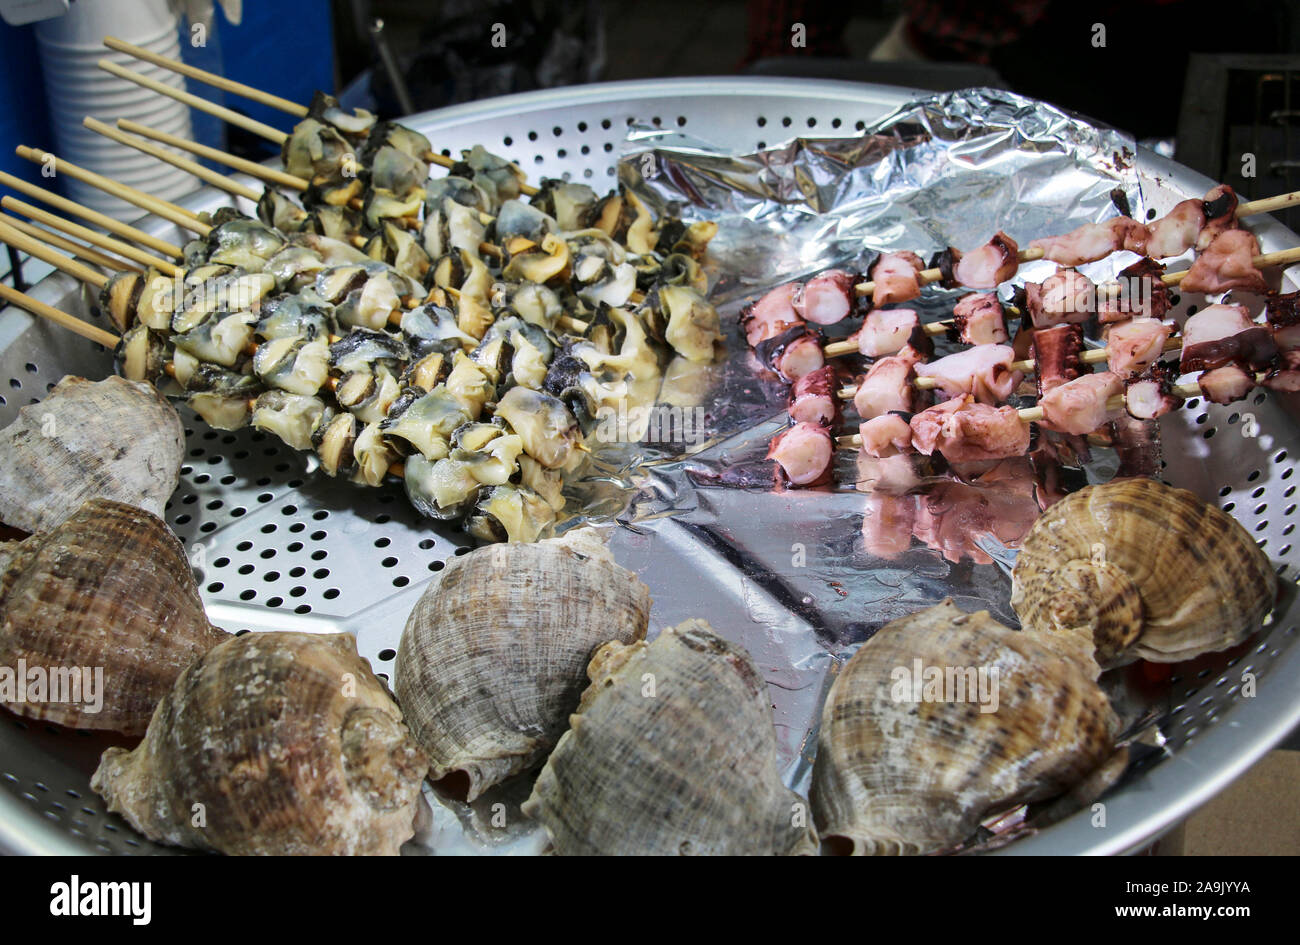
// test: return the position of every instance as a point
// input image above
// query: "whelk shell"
(492, 657)
(671, 751)
(897, 774)
(1143, 571)
(109, 589)
(272, 743)
(114, 438)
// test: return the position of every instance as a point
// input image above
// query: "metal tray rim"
(1153, 800)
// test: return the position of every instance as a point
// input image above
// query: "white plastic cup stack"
(69, 47)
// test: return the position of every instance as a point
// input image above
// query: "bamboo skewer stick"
(168, 211)
(274, 135)
(68, 246)
(124, 230)
(36, 307)
(433, 157)
(927, 276)
(185, 164)
(1029, 365)
(162, 265)
(110, 340)
(162, 208)
(1035, 414)
(93, 332)
(225, 183)
(1182, 391)
(1268, 204)
(34, 247)
(89, 235)
(228, 85)
(1280, 257)
(1250, 208)
(251, 168)
(208, 78)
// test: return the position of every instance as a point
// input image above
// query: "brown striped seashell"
(672, 751)
(903, 768)
(272, 744)
(108, 590)
(492, 659)
(115, 439)
(1143, 571)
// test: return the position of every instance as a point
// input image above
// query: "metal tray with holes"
(276, 548)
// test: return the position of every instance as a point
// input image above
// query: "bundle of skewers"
(463, 333)
(1034, 344)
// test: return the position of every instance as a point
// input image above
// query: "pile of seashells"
(531, 661)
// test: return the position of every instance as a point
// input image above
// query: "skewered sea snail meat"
(908, 765)
(491, 661)
(272, 743)
(1143, 571)
(686, 766)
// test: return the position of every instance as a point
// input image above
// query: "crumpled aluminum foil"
(788, 574)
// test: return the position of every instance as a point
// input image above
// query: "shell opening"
(1099, 601)
(455, 785)
(838, 845)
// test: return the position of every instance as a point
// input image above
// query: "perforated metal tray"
(277, 548)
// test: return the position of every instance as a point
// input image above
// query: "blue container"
(285, 48)
(23, 115)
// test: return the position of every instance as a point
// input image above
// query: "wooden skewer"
(110, 340)
(124, 230)
(1281, 257)
(251, 168)
(1034, 414)
(1029, 365)
(225, 183)
(89, 235)
(274, 135)
(433, 157)
(1268, 204)
(927, 276)
(36, 307)
(1182, 391)
(68, 246)
(228, 85)
(34, 247)
(1250, 208)
(168, 211)
(185, 164)
(209, 78)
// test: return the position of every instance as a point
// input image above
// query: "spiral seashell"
(898, 774)
(491, 661)
(1143, 571)
(671, 751)
(113, 438)
(109, 591)
(272, 744)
